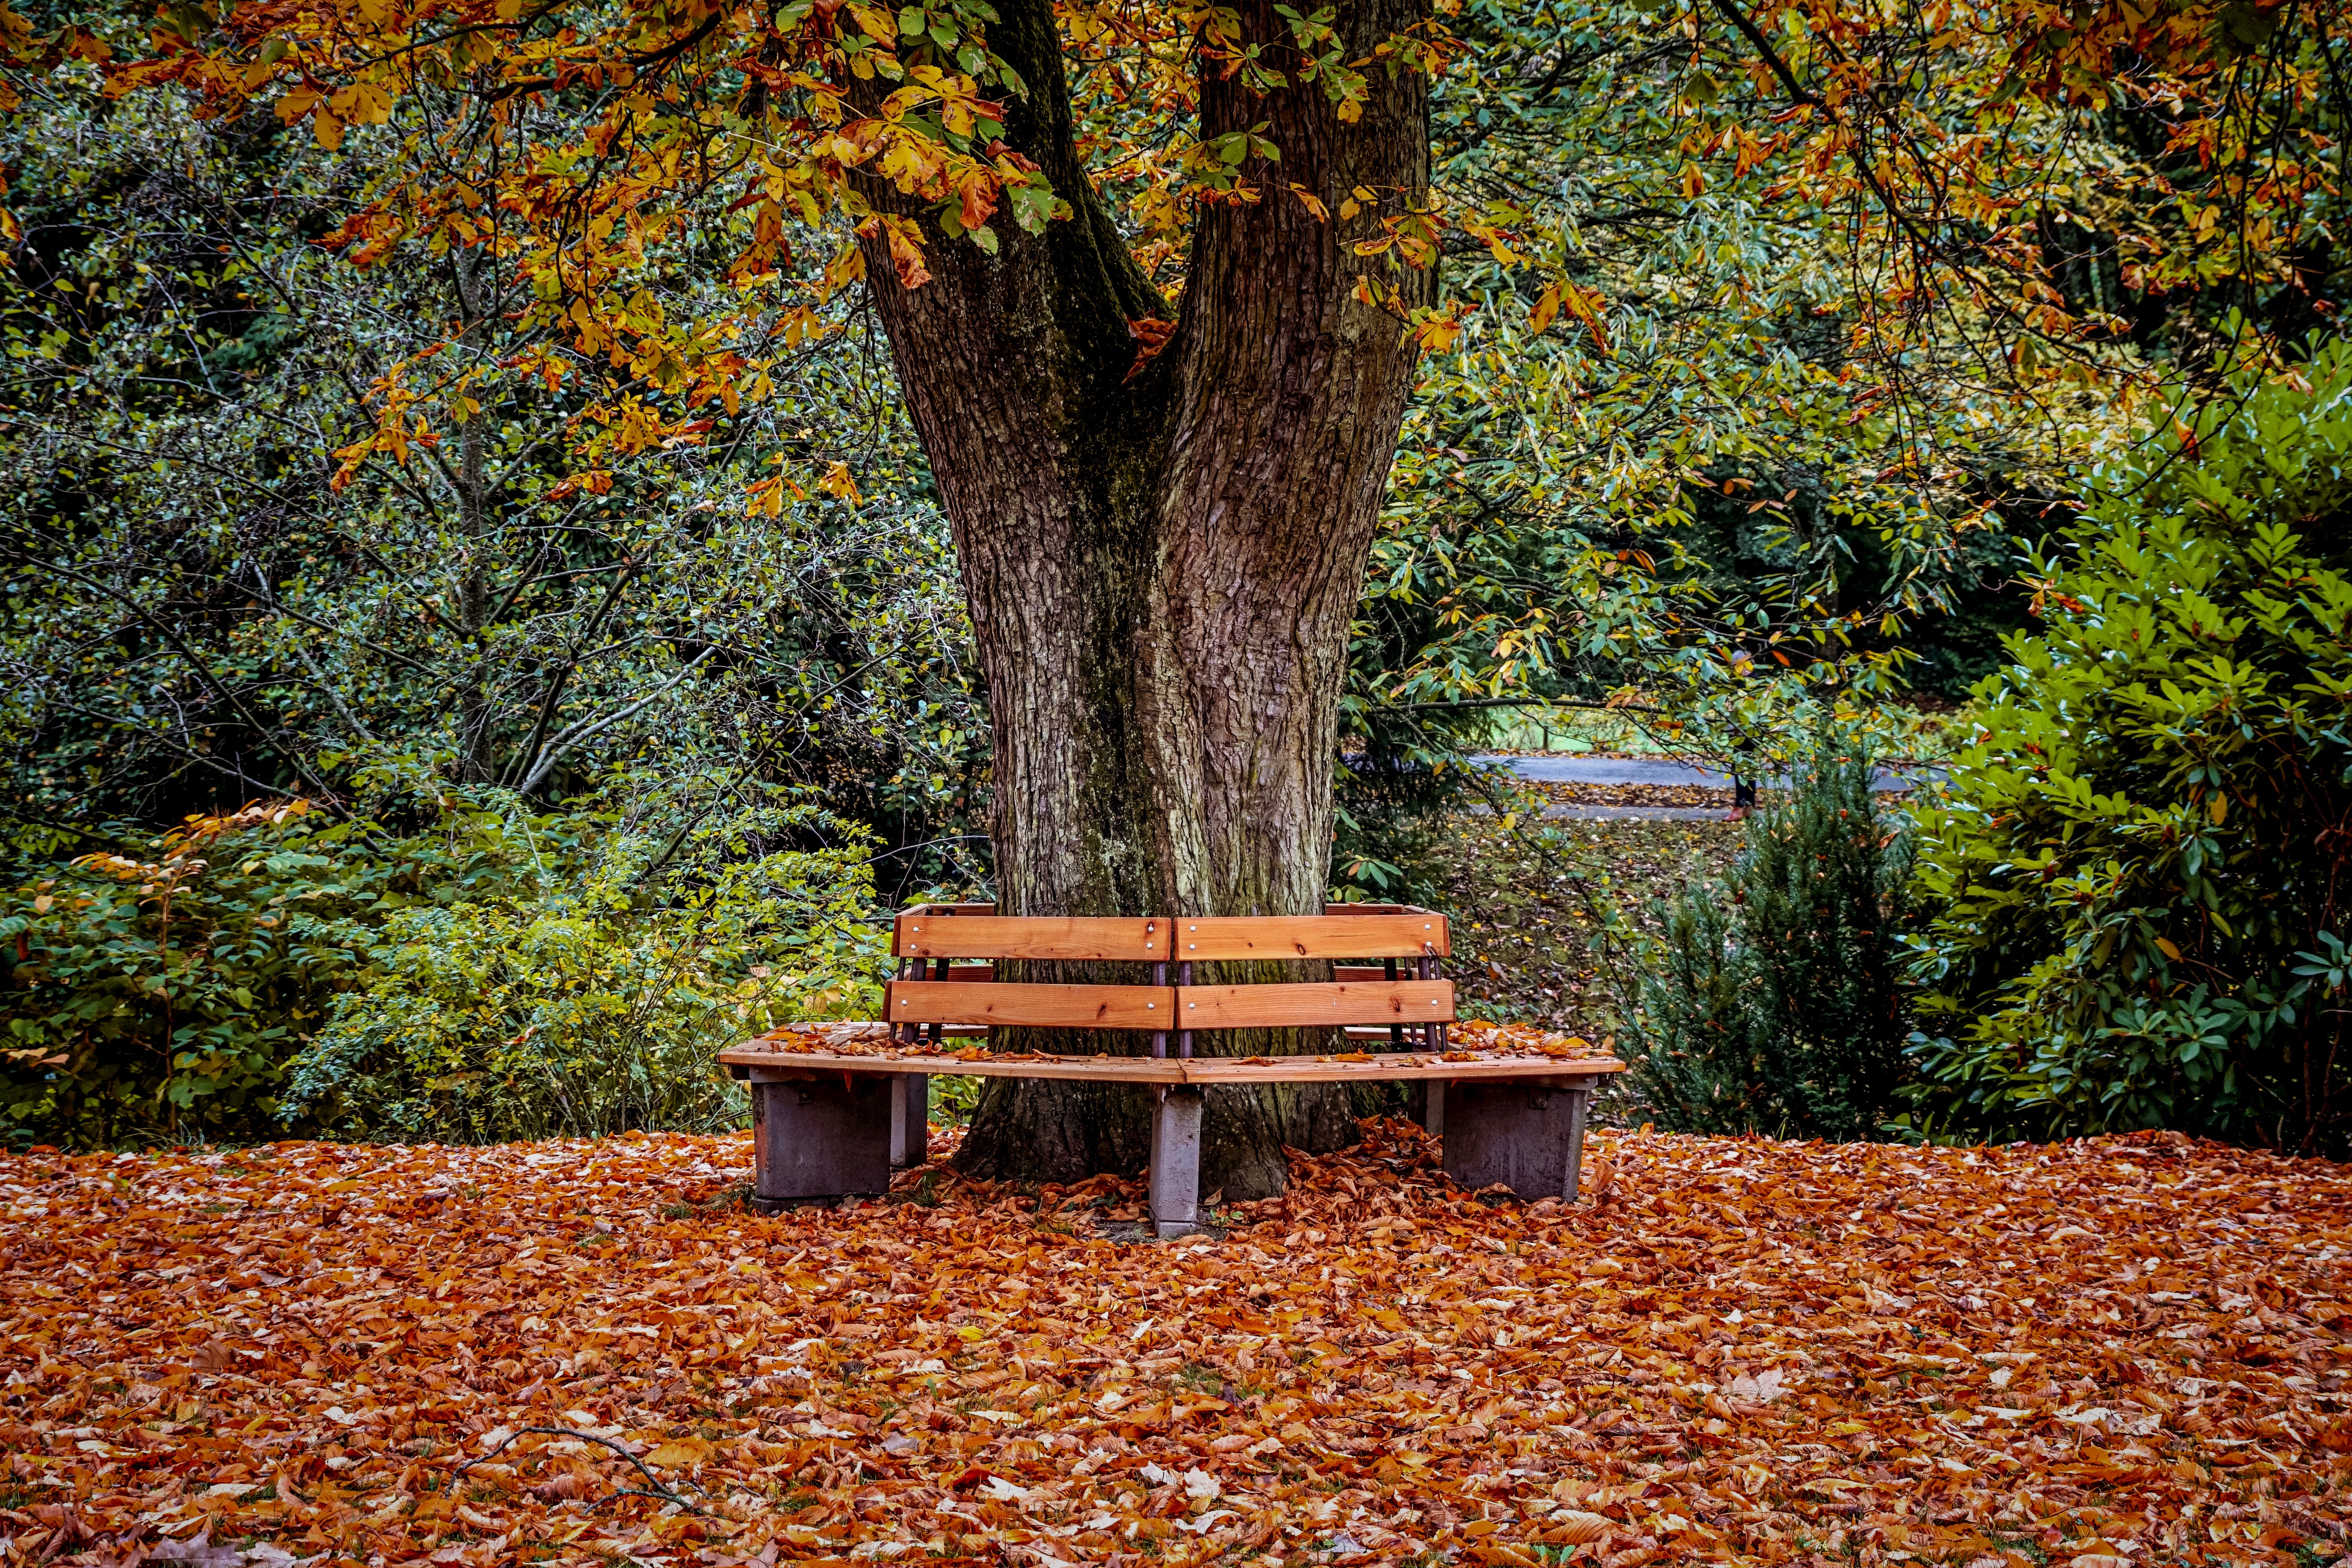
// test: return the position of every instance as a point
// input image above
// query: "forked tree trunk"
(1161, 562)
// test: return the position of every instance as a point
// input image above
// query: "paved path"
(1637, 813)
(1558, 769)
(1572, 769)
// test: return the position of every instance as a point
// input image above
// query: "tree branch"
(267, 737)
(585, 731)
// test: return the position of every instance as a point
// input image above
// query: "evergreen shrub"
(2138, 876)
(1773, 1002)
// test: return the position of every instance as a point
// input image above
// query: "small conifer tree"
(1773, 1001)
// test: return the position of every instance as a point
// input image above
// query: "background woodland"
(417, 727)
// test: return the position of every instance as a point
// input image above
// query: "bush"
(1773, 1002)
(158, 1000)
(500, 973)
(591, 998)
(2138, 873)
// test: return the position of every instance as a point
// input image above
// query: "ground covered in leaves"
(1533, 949)
(1565, 792)
(2123, 1352)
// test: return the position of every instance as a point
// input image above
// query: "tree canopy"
(1788, 313)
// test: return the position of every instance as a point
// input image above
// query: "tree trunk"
(1162, 560)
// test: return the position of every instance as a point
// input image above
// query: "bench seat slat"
(1050, 1006)
(1006, 936)
(751, 1057)
(1308, 936)
(1286, 1007)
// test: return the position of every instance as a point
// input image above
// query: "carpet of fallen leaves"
(1568, 791)
(2107, 1353)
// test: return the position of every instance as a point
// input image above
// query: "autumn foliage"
(2124, 1350)
(573, 150)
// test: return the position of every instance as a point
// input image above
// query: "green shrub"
(1773, 1002)
(591, 998)
(498, 973)
(2138, 875)
(158, 1000)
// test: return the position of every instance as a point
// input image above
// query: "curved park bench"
(830, 1122)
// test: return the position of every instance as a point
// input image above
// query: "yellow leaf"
(2219, 808)
(2164, 946)
(1585, 308)
(1437, 333)
(679, 1451)
(1547, 307)
(837, 482)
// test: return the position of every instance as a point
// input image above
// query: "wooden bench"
(831, 1123)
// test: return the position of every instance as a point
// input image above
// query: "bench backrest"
(950, 944)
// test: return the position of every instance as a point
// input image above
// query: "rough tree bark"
(1161, 562)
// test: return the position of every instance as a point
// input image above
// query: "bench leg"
(1527, 1136)
(1424, 1104)
(1580, 1107)
(1176, 1164)
(910, 1112)
(820, 1138)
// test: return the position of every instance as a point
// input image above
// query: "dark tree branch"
(266, 734)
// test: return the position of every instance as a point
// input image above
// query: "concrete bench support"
(1428, 1106)
(1529, 1136)
(910, 1118)
(833, 1124)
(820, 1137)
(1176, 1164)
